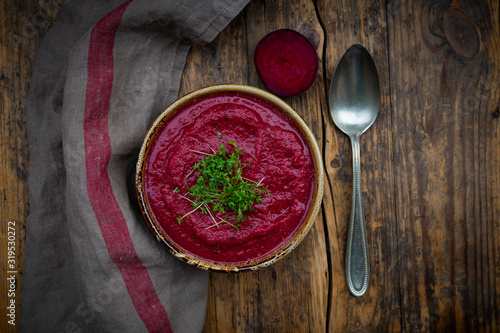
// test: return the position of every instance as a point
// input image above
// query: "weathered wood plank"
(444, 64)
(22, 27)
(345, 23)
(292, 294)
(430, 164)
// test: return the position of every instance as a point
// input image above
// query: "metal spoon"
(354, 106)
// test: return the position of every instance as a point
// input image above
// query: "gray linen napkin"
(105, 70)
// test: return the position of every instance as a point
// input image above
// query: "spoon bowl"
(354, 106)
(355, 91)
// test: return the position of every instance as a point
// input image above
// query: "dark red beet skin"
(286, 62)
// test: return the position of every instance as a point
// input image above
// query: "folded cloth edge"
(49, 280)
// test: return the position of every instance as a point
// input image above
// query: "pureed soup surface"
(278, 156)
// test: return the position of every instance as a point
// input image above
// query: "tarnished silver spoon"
(354, 106)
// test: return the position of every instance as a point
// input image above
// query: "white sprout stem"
(216, 224)
(200, 152)
(173, 192)
(210, 213)
(221, 221)
(182, 196)
(247, 179)
(232, 225)
(190, 173)
(211, 148)
(194, 210)
(253, 181)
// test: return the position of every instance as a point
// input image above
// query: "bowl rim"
(299, 234)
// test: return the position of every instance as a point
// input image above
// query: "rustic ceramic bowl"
(279, 253)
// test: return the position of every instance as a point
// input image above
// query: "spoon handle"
(357, 265)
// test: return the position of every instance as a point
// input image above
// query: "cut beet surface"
(286, 62)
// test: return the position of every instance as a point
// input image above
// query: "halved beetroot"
(286, 62)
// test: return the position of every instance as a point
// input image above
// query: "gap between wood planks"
(323, 152)
(324, 119)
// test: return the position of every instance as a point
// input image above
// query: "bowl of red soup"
(229, 178)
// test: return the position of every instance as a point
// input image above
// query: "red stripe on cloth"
(97, 156)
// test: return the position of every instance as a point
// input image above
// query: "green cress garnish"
(220, 187)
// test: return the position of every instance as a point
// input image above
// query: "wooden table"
(430, 165)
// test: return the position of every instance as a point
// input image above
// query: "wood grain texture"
(290, 296)
(430, 165)
(23, 25)
(346, 23)
(445, 82)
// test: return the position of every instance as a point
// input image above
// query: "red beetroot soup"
(277, 155)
